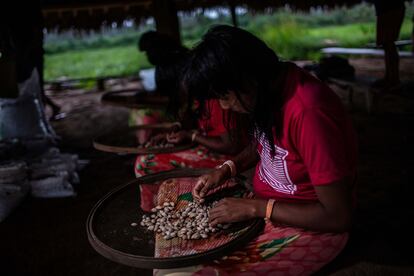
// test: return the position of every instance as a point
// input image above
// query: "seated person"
(304, 151)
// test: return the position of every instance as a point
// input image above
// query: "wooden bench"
(58, 85)
(398, 43)
(362, 52)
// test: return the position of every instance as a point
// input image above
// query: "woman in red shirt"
(304, 151)
(215, 143)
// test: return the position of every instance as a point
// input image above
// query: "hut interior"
(45, 233)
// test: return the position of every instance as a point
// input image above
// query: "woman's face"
(230, 101)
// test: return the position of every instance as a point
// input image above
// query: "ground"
(48, 236)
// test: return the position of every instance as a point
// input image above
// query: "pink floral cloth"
(280, 250)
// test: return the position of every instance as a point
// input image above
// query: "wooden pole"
(166, 19)
(233, 14)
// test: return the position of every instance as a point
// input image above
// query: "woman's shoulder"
(310, 92)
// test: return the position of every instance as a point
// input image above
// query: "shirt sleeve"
(320, 139)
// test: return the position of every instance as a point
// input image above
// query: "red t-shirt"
(317, 145)
(212, 122)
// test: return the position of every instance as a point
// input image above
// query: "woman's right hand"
(209, 181)
(158, 139)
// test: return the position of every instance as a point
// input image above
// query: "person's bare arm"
(332, 213)
(221, 144)
(243, 161)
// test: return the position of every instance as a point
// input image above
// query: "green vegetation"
(119, 60)
(293, 35)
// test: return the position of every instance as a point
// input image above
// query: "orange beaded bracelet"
(269, 208)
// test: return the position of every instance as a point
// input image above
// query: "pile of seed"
(149, 145)
(190, 223)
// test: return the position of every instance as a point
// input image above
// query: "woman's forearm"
(219, 144)
(332, 212)
(312, 216)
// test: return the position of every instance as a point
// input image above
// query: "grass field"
(120, 60)
(291, 35)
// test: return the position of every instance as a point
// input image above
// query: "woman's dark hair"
(169, 57)
(231, 59)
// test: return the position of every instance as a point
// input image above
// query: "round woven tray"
(131, 98)
(110, 232)
(125, 142)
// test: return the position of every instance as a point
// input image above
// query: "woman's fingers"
(171, 140)
(204, 189)
(198, 187)
(157, 139)
(172, 137)
(221, 219)
(205, 183)
(216, 213)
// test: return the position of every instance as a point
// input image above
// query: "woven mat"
(178, 190)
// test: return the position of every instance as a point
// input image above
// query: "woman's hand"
(209, 181)
(230, 210)
(157, 139)
(179, 137)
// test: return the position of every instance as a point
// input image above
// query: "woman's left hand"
(178, 137)
(230, 210)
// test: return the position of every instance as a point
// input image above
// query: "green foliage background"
(293, 35)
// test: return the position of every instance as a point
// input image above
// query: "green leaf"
(175, 164)
(186, 197)
(151, 164)
(270, 249)
(147, 171)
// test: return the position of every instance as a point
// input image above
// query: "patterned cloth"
(280, 250)
(178, 190)
(197, 157)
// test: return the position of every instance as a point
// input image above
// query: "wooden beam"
(105, 7)
(233, 14)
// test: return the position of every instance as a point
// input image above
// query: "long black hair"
(231, 59)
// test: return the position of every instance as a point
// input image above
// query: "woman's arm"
(333, 212)
(221, 144)
(243, 161)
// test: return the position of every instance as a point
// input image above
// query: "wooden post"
(166, 19)
(8, 79)
(233, 14)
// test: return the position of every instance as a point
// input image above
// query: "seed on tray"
(157, 146)
(189, 223)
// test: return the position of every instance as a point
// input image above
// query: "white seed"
(190, 222)
(226, 226)
(195, 236)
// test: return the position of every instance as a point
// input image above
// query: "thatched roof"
(91, 14)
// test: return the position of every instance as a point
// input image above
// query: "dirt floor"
(48, 236)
